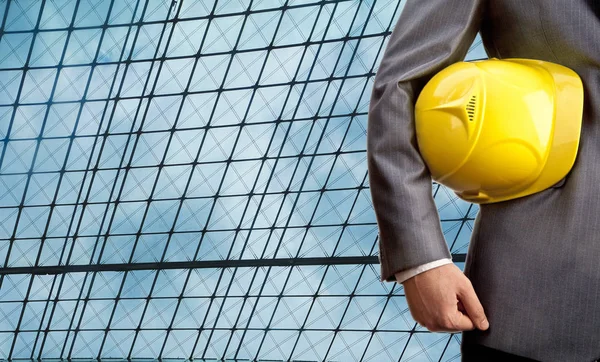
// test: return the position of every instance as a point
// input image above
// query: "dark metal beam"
(201, 264)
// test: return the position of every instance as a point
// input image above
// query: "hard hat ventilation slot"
(471, 108)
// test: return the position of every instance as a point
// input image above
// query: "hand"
(442, 299)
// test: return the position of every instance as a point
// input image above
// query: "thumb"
(473, 307)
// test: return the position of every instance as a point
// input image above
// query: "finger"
(455, 322)
(474, 308)
(462, 322)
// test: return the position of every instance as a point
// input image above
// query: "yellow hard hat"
(495, 130)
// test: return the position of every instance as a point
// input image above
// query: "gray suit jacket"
(535, 261)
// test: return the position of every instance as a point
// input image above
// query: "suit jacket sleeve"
(429, 35)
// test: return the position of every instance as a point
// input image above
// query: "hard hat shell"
(495, 130)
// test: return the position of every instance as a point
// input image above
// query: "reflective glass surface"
(188, 179)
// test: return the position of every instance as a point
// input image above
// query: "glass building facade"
(188, 179)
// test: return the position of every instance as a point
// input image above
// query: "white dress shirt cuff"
(401, 276)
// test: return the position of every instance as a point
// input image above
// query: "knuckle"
(428, 325)
(467, 281)
(466, 286)
(432, 327)
(419, 321)
(446, 322)
(418, 318)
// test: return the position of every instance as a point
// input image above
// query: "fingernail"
(485, 324)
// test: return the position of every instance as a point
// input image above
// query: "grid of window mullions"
(160, 354)
(303, 324)
(1, 159)
(148, 81)
(196, 56)
(194, 164)
(213, 15)
(358, 294)
(158, 61)
(8, 253)
(203, 326)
